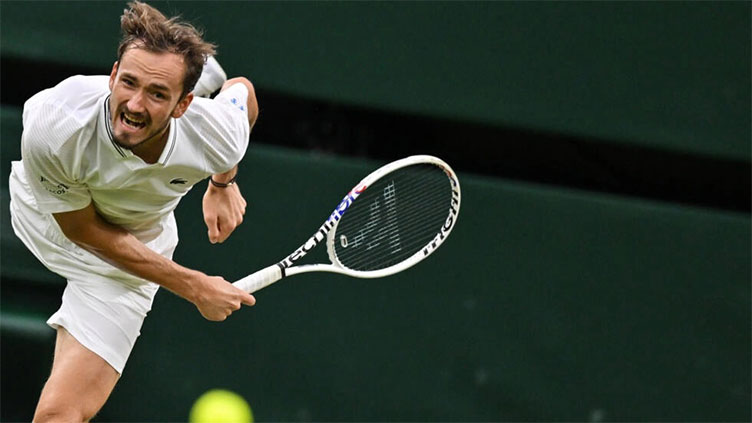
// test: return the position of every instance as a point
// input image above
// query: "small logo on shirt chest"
(178, 181)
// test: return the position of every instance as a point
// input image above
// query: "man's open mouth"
(132, 121)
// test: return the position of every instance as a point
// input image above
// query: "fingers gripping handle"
(260, 279)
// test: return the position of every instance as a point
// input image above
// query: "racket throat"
(282, 269)
(312, 242)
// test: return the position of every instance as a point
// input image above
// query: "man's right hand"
(216, 298)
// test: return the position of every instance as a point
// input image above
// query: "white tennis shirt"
(70, 158)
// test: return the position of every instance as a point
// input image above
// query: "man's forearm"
(126, 252)
(123, 250)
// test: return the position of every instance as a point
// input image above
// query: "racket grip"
(260, 279)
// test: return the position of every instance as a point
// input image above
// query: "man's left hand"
(223, 211)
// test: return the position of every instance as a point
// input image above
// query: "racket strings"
(416, 211)
(418, 216)
(394, 218)
(400, 246)
(416, 208)
(408, 245)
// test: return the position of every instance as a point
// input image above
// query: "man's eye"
(159, 96)
(128, 82)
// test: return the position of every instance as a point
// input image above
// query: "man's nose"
(136, 102)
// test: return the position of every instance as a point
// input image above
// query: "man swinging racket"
(105, 161)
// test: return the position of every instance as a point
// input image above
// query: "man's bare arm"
(215, 297)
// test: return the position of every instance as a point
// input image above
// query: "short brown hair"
(146, 27)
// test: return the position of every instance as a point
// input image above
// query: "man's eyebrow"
(160, 87)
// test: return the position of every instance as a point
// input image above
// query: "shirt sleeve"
(50, 159)
(225, 127)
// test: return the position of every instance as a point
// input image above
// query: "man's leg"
(79, 384)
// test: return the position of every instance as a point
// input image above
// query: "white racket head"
(395, 217)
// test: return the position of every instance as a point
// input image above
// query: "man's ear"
(113, 74)
(182, 105)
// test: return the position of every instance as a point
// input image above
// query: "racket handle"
(260, 279)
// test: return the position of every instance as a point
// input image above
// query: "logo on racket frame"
(449, 223)
(320, 235)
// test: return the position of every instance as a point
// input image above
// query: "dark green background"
(669, 74)
(545, 303)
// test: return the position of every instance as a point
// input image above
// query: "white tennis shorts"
(103, 307)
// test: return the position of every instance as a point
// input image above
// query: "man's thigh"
(80, 381)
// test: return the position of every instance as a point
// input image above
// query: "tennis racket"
(392, 219)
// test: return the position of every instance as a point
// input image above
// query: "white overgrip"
(260, 279)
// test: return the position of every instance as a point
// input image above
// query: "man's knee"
(79, 384)
(65, 402)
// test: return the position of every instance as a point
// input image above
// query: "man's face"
(146, 90)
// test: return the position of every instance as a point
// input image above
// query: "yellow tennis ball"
(220, 406)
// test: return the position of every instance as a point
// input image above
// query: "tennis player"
(105, 161)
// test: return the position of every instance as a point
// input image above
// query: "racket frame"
(287, 267)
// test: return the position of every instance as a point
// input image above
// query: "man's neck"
(150, 150)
